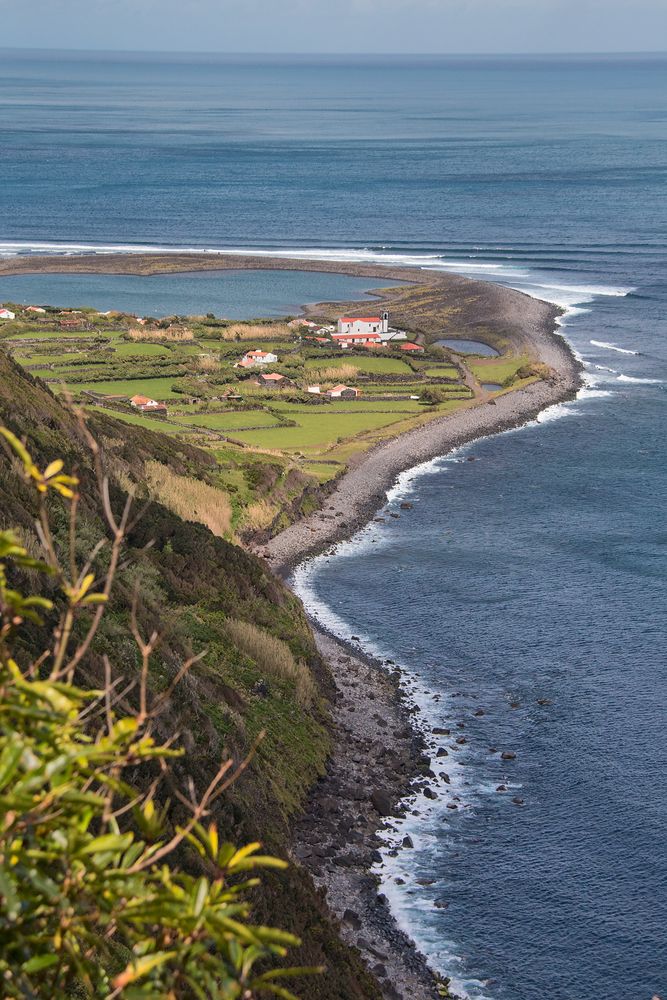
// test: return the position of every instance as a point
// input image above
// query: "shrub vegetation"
(93, 903)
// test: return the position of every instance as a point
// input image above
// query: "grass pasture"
(156, 388)
(151, 423)
(316, 433)
(227, 421)
(502, 370)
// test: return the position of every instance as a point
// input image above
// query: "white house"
(147, 405)
(314, 389)
(390, 335)
(255, 358)
(356, 338)
(363, 324)
(7, 314)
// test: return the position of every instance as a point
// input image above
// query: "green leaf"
(259, 861)
(16, 445)
(141, 967)
(200, 896)
(108, 842)
(40, 962)
(9, 762)
(305, 970)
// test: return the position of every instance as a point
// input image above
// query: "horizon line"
(361, 52)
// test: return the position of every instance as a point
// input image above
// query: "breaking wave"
(613, 347)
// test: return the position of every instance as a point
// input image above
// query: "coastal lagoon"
(528, 583)
(229, 294)
(477, 347)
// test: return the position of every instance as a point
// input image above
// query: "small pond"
(469, 347)
(491, 386)
(231, 294)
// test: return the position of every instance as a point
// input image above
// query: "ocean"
(528, 584)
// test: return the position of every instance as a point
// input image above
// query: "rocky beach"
(379, 757)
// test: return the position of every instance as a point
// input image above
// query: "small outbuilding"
(343, 392)
(147, 405)
(272, 379)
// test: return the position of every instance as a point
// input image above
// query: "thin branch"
(215, 789)
(72, 535)
(161, 700)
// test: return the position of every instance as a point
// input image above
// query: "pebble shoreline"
(378, 753)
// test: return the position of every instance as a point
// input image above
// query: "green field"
(228, 421)
(317, 432)
(350, 406)
(27, 358)
(151, 423)
(440, 372)
(501, 370)
(130, 349)
(156, 388)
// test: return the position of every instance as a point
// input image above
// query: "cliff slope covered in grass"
(260, 671)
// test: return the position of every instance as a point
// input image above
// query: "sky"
(337, 26)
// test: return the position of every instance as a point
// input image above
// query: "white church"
(355, 331)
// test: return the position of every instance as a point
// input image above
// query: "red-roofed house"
(355, 339)
(273, 379)
(414, 348)
(253, 359)
(343, 392)
(147, 405)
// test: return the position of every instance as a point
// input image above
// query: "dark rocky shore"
(379, 758)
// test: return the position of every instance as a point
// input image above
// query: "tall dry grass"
(259, 515)
(190, 498)
(175, 333)
(255, 331)
(333, 373)
(273, 657)
(207, 363)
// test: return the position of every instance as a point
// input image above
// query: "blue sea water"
(529, 583)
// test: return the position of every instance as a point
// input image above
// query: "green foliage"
(92, 903)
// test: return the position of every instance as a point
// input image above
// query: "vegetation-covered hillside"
(260, 669)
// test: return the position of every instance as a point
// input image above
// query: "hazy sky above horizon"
(337, 26)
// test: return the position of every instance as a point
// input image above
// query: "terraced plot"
(156, 388)
(317, 432)
(371, 364)
(227, 421)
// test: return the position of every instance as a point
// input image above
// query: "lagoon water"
(232, 294)
(529, 583)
